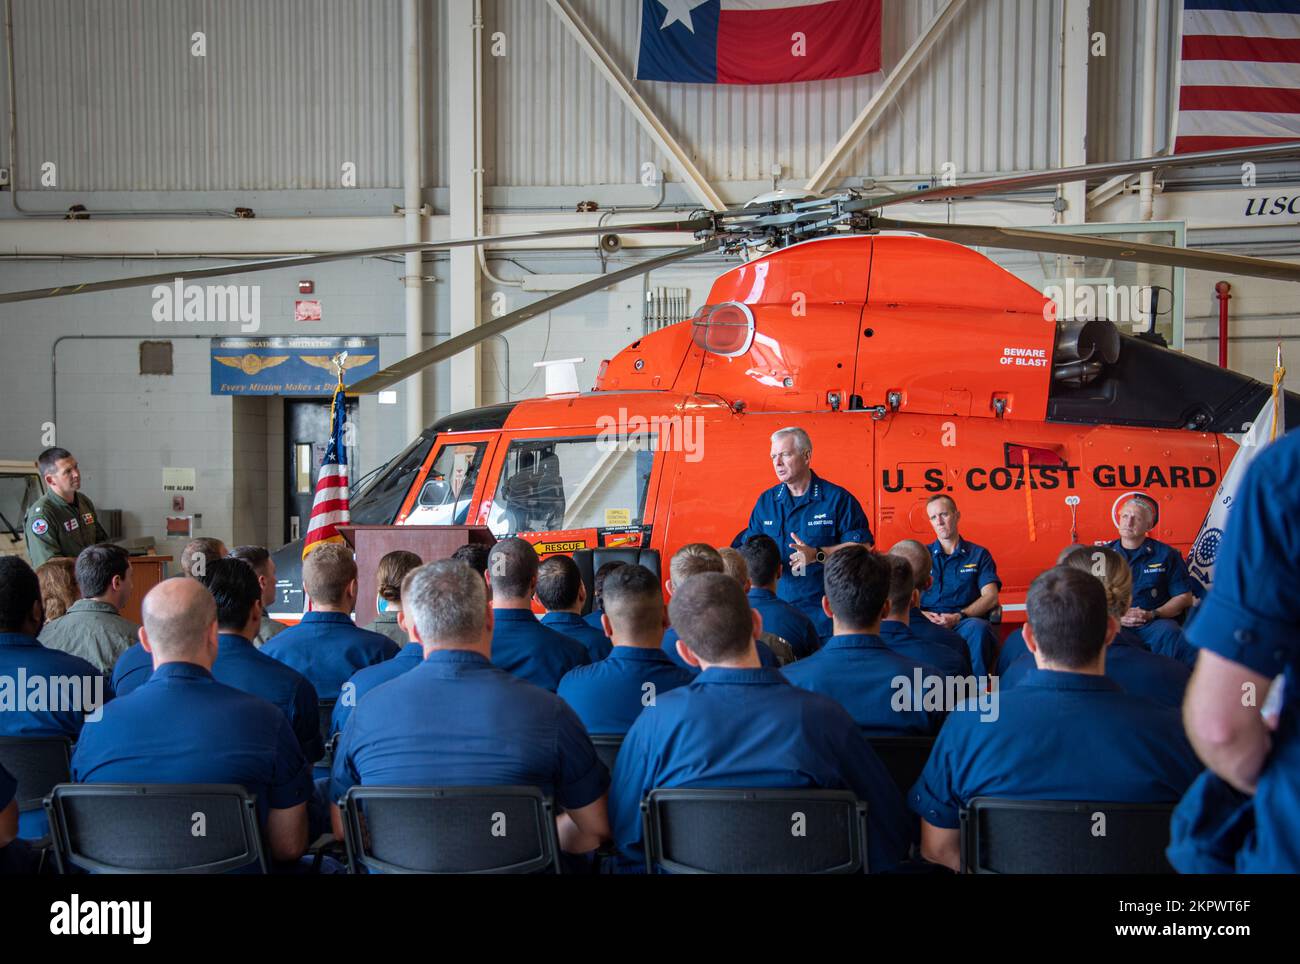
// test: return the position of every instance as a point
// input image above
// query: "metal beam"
(1072, 107)
(642, 111)
(883, 96)
(464, 28)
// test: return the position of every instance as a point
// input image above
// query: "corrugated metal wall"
(1115, 81)
(288, 92)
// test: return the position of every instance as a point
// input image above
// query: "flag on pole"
(330, 509)
(1239, 74)
(757, 41)
(1268, 425)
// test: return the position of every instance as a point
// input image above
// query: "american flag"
(1239, 81)
(329, 509)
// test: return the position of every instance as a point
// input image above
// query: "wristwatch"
(821, 556)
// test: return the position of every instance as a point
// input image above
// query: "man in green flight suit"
(62, 522)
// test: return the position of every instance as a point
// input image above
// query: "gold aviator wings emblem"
(251, 364)
(327, 363)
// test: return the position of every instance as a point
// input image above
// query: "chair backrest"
(590, 560)
(1064, 837)
(136, 828)
(38, 763)
(325, 712)
(607, 746)
(903, 756)
(450, 830)
(737, 831)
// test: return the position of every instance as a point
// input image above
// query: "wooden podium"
(430, 543)
(146, 572)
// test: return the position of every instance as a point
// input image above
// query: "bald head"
(916, 555)
(180, 622)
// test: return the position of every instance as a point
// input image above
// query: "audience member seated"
(199, 553)
(734, 565)
(58, 579)
(520, 644)
(365, 680)
(609, 695)
(917, 623)
(562, 595)
(895, 628)
(1065, 732)
(474, 555)
(1129, 663)
(1013, 647)
(182, 725)
(739, 724)
(93, 627)
(72, 691)
(458, 720)
(15, 856)
(326, 646)
(392, 569)
(876, 684)
(260, 559)
(693, 560)
(763, 562)
(598, 582)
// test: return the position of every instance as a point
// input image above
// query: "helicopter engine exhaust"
(1083, 349)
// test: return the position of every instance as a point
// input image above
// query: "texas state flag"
(757, 41)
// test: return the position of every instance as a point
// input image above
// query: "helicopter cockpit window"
(377, 502)
(449, 487)
(551, 485)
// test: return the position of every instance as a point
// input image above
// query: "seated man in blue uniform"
(1064, 733)
(1013, 647)
(1162, 587)
(609, 695)
(458, 720)
(598, 584)
(46, 692)
(183, 726)
(521, 645)
(326, 646)
(855, 667)
(1129, 663)
(687, 562)
(739, 724)
(918, 556)
(238, 595)
(562, 594)
(1247, 633)
(365, 680)
(895, 627)
(965, 585)
(763, 558)
(809, 516)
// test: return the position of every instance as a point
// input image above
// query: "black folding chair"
(136, 828)
(325, 711)
(450, 830)
(589, 562)
(1064, 837)
(734, 831)
(38, 763)
(607, 747)
(903, 756)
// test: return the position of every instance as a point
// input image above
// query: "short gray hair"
(1143, 503)
(802, 442)
(448, 601)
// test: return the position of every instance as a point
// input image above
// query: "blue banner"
(289, 366)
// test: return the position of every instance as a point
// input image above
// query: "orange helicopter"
(916, 365)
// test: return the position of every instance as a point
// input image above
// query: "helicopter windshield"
(377, 503)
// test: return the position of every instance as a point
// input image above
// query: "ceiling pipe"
(412, 213)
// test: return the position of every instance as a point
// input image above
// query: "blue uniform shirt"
(522, 646)
(921, 627)
(905, 643)
(751, 728)
(240, 664)
(1159, 573)
(592, 619)
(959, 577)
(1058, 736)
(1013, 647)
(608, 696)
(858, 672)
(786, 621)
(458, 720)
(765, 655)
(183, 726)
(328, 648)
(1129, 663)
(1249, 617)
(364, 680)
(594, 641)
(131, 669)
(825, 515)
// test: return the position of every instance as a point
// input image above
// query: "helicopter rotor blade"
(421, 360)
(692, 225)
(1066, 175)
(1021, 239)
